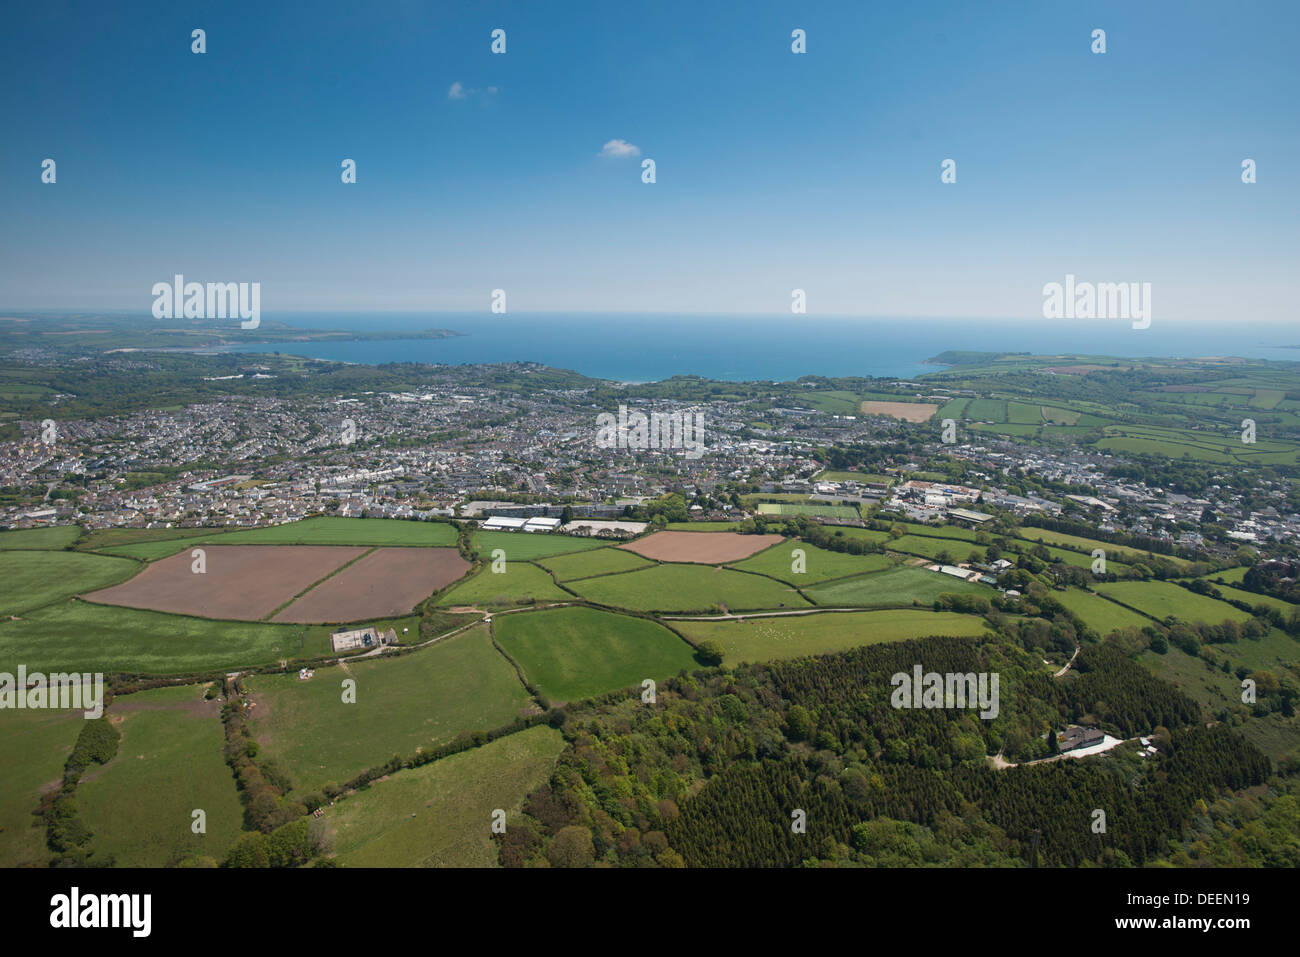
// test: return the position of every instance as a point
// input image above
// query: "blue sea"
(644, 348)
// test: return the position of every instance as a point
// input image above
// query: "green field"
(37, 578)
(346, 531)
(701, 526)
(575, 653)
(931, 548)
(601, 561)
(789, 636)
(34, 745)
(1113, 552)
(895, 586)
(1163, 599)
(819, 564)
(519, 584)
(1254, 600)
(526, 546)
(830, 475)
(1100, 614)
(838, 512)
(416, 700)
(683, 588)
(169, 762)
(57, 536)
(1230, 575)
(440, 815)
(80, 636)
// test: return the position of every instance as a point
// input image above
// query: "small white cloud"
(457, 92)
(619, 149)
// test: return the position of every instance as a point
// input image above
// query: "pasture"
(819, 563)
(34, 745)
(683, 588)
(527, 546)
(169, 762)
(54, 537)
(790, 636)
(37, 578)
(440, 815)
(403, 703)
(1161, 600)
(903, 585)
(601, 561)
(519, 584)
(574, 653)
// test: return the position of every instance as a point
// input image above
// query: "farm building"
(369, 637)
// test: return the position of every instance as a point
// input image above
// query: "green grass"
(412, 701)
(1254, 600)
(601, 561)
(896, 586)
(784, 510)
(575, 653)
(1100, 614)
(767, 639)
(169, 762)
(1113, 552)
(519, 584)
(81, 636)
(931, 548)
(830, 475)
(33, 579)
(683, 588)
(526, 546)
(1230, 575)
(440, 815)
(58, 536)
(34, 745)
(346, 531)
(113, 537)
(819, 564)
(1162, 599)
(701, 526)
(152, 551)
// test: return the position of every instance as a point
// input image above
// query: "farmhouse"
(368, 637)
(1075, 737)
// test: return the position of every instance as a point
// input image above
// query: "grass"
(819, 564)
(840, 512)
(931, 548)
(1100, 614)
(527, 546)
(519, 584)
(600, 561)
(82, 636)
(34, 745)
(575, 653)
(701, 526)
(440, 815)
(55, 537)
(790, 636)
(404, 703)
(683, 588)
(1254, 600)
(169, 763)
(1113, 552)
(346, 531)
(1230, 575)
(1161, 600)
(37, 578)
(895, 586)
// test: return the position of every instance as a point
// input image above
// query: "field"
(830, 475)
(601, 561)
(526, 546)
(345, 531)
(895, 586)
(440, 815)
(37, 578)
(819, 564)
(766, 639)
(519, 584)
(1163, 599)
(932, 548)
(1118, 552)
(1254, 600)
(842, 513)
(574, 653)
(59, 536)
(83, 637)
(416, 700)
(706, 549)
(907, 411)
(388, 581)
(683, 588)
(1100, 614)
(33, 748)
(242, 582)
(169, 762)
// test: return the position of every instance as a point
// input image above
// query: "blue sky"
(775, 171)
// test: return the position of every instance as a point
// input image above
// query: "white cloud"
(457, 92)
(619, 149)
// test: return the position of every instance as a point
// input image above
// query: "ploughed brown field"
(707, 548)
(243, 582)
(907, 411)
(387, 582)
